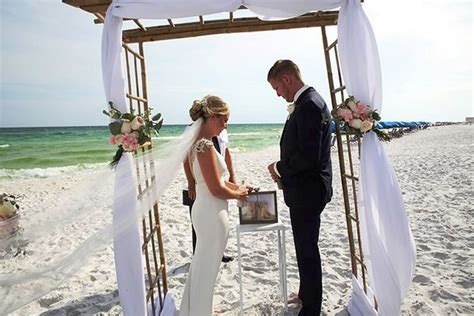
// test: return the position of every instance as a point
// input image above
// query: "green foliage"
(141, 128)
(354, 117)
(156, 117)
(117, 156)
(115, 127)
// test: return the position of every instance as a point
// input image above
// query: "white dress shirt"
(223, 140)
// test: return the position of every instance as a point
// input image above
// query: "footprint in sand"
(423, 280)
(440, 255)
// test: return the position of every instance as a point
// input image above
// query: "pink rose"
(118, 139)
(130, 141)
(346, 114)
(112, 140)
(362, 108)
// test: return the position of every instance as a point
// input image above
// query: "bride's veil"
(61, 235)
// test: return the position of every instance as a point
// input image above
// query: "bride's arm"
(208, 163)
(231, 185)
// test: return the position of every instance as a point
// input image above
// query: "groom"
(304, 171)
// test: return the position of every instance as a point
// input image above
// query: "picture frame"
(260, 208)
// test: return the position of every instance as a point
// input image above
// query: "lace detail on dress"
(202, 144)
(199, 147)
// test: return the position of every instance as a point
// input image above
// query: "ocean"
(38, 151)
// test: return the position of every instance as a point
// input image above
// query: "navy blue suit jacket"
(305, 153)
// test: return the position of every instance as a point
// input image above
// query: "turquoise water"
(49, 147)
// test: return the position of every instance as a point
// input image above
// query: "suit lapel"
(289, 118)
(283, 133)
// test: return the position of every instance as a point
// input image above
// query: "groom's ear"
(286, 78)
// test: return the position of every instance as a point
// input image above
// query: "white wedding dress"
(211, 222)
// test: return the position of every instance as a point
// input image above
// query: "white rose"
(137, 123)
(291, 108)
(366, 126)
(355, 123)
(126, 128)
(352, 105)
(7, 209)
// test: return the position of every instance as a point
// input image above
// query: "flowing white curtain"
(127, 242)
(389, 249)
(387, 240)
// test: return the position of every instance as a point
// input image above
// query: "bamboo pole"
(340, 152)
(155, 207)
(240, 25)
(139, 24)
(356, 211)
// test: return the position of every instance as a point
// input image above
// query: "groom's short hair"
(282, 67)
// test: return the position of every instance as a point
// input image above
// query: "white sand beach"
(435, 169)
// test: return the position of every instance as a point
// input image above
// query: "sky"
(50, 72)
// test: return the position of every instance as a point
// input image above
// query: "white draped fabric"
(127, 244)
(387, 240)
(389, 249)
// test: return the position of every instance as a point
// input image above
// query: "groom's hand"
(192, 191)
(271, 169)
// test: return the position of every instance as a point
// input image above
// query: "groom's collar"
(300, 92)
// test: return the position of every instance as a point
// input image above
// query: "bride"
(210, 214)
(40, 272)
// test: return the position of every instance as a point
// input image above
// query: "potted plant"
(9, 215)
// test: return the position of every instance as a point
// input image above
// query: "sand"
(435, 169)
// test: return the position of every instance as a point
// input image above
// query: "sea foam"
(11, 174)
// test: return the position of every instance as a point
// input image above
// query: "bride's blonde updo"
(208, 106)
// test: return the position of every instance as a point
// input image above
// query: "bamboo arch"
(152, 247)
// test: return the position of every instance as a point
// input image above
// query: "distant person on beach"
(305, 175)
(210, 210)
(221, 143)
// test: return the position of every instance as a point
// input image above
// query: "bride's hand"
(242, 194)
(249, 189)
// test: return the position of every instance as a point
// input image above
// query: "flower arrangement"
(357, 118)
(9, 216)
(8, 206)
(130, 131)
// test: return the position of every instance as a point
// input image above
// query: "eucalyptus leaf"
(106, 113)
(143, 138)
(156, 117)
(127, 116)
(158, 125)
(115, 128)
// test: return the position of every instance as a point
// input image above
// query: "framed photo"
(260, 208)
